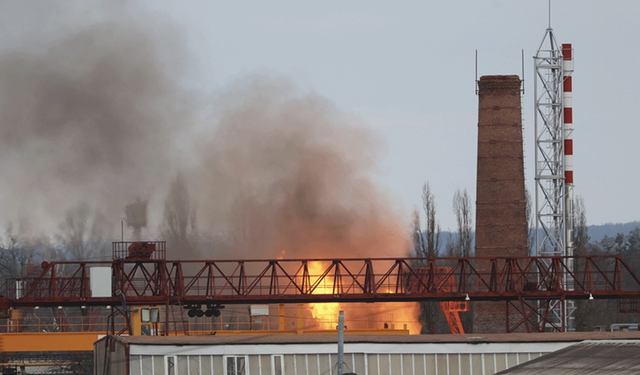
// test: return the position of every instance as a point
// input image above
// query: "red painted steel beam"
(223, 282)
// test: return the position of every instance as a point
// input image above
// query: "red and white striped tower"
(553, 64)
(567, 104)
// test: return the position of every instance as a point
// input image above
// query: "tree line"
(85, 234)
(427, 242)
(593, 314)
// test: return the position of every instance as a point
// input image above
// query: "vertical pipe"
(166, 318)
(567, 120)
(281, 320)
(299, 320)
(340, 342)
(567, 103)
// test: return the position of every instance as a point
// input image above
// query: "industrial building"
(316, 354)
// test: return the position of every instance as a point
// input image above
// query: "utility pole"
(340, 342)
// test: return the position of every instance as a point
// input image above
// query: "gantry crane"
(523, 283)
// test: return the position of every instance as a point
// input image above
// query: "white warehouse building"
(283, 354)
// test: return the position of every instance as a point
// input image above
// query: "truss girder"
(348, 280)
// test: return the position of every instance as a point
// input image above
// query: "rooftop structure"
(586, 358)
(316, 354)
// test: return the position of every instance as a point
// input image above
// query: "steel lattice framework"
(550, 223)
(554, 206)
(523, 283)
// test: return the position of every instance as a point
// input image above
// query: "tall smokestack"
(501, 222)
(567, 103)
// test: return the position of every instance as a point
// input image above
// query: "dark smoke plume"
(99, 113)
(90, 116)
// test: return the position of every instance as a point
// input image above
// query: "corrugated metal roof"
(312, 339)
(590, 357)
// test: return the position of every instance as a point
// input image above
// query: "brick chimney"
(501, 222)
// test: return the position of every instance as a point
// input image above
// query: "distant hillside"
(597, 232)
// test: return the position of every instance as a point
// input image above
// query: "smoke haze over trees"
(90, 116)
(100, 109)
(179, 219)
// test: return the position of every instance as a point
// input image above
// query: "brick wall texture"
(501, 223)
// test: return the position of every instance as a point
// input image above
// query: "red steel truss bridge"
(528, 286)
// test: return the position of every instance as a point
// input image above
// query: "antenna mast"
(553, 66)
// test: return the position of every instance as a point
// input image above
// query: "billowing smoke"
(99, 113)
(91, 116)
(287, 174)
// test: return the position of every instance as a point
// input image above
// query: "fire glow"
(358, 316)
(325, 315)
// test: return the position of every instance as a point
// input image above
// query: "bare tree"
(462, 211)
(419, 240)
(580, 230)
(427, 241)
(432, 232)
(588, 312)
(531, 225)
(179, 219)
(15, 256)
(20, 252)
(427, 246)
(83, 234)
(451, 246)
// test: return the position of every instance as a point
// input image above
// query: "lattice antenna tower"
(553, 123)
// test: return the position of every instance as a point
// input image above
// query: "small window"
(236, 366)
(151, 315)
(154, 314)
(144, 316)
(278, 365)
(145, 330)
(170, 365)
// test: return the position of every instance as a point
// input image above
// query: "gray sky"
(407, 69)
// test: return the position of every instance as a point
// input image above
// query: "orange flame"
(359, 316)
(325, 314)
(406, 314)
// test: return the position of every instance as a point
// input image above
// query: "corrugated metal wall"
(116, 359)
(324, 364)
